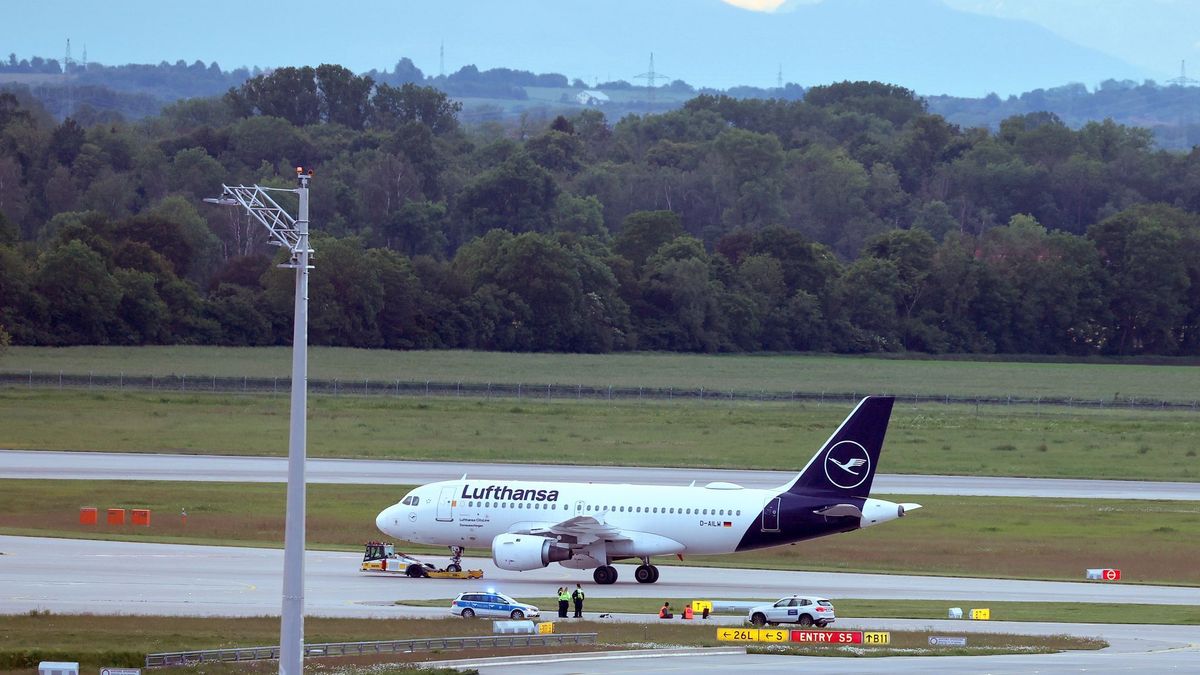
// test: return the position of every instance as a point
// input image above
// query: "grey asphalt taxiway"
(147, 466)
(106, 577)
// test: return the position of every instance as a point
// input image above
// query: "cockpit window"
(410, 500)
(416, 500)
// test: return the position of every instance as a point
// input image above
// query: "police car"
(804, 610)
(493, 604)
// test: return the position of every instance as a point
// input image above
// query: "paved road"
(109, 577)
(139, 466)
(106, 577)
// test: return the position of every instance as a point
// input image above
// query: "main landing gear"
(605, 574)
(455, 559)
(646, 573)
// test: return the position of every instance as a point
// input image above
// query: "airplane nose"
(383, 520)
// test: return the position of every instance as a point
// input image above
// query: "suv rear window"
(825, 603)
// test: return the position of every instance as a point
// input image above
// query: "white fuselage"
(467, 513)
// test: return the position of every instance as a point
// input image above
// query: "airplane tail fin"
(846, 464)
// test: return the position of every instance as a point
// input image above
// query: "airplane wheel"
(655, 579)
(453, 568)
(415, 571)
(605, 574)
(644, 574)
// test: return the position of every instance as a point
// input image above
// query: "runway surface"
(145, 466)
(111, 577)
(106, 577)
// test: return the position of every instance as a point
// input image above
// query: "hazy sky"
(1150, 34)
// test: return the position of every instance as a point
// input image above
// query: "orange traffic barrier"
(116, 516)
(87, 515)
(140, 517)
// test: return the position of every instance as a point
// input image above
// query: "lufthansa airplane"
(530, 524)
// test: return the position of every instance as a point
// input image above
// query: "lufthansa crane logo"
(847, 464)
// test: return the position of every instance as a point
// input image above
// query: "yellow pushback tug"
(383, 557)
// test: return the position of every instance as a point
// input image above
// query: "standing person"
(564, 601)
(577, 597)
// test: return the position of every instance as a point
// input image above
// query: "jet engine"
(521, 552)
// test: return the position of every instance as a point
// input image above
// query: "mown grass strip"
(998, 537)
(924, 439)
(124, 640)
(1097, 379)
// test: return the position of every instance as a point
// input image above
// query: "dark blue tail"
(845, 465)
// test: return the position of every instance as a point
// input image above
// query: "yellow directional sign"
(698, 606)
(737, 634)
(981, 614)
(876, 638)
(545, 627)
(774, 635)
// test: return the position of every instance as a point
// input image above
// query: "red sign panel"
(829, 637)
(1112, 575)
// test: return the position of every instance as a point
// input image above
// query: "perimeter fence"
(524, 391)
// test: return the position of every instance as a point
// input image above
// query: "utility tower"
(1183, 80)
(650, 76)
(69, 108)
(292, 234)
(442, 60)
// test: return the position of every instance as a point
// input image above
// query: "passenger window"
(805, 602)
(783, 603)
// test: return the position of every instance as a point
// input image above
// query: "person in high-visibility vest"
(687, 612)
(564, 601)
(577, 598)
(665, 612)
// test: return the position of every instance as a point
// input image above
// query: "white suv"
(804, 610)
(491, 603)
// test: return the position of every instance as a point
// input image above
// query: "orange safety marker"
(140, 517)
(88, 515)
(116, 516)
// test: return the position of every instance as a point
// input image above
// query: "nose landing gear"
(455, 565)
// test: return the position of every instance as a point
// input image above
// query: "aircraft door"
(770, 516)
(445, 507)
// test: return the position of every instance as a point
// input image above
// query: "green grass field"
(923, 439)
(959, 536)
(1054, 612)
(781, 373)
(124, 640)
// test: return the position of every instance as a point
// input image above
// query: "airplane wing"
(584, 529)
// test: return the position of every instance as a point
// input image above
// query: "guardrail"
(338, 387)
(370, 648)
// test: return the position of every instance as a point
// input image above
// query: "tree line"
(853, 220)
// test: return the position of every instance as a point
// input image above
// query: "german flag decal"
(728, 524)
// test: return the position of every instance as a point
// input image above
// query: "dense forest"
(853, 220)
